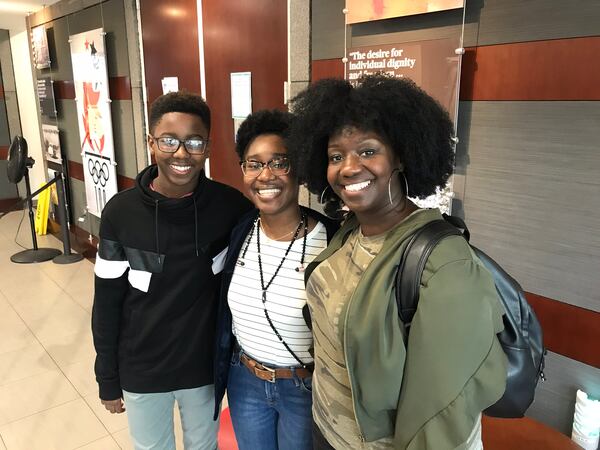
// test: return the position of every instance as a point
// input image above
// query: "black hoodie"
(154, 313)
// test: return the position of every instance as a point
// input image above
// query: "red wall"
(170, 40)
(241, 36)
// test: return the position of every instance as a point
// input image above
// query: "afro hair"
(182, 102)
(417, 128)
(262, 122)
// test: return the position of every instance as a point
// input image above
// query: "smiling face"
(271, 194)
(359, 171)
(178, 172)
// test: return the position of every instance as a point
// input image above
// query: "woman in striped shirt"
(263, 342)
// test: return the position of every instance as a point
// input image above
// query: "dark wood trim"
(119, 88)
(326, 68)
(568, 330)
(1, 90)
(525, 433)
(76, 171)
(559, 69)
(124, 182)
(9, 204)
(4, 151)
(64, 90)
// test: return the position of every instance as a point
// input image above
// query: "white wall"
(16, 26)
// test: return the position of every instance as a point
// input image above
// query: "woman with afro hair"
(263, 341)
(371, 148)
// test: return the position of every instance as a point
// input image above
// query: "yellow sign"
(41, 212)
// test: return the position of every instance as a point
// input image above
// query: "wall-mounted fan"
(18, 167)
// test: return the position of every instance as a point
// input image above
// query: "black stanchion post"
(67, 257)
(30, 208)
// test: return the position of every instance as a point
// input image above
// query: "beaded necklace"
(303, 221)
(302, 224)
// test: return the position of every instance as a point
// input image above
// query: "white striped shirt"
(285, 299)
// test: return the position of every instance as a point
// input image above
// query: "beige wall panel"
(486, 23)
(299, 40)
(531, 192)
(327, 29)
(503, 21)
(60, 53)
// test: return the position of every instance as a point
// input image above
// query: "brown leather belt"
(270, 374)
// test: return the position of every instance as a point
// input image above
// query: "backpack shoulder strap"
(412, 263)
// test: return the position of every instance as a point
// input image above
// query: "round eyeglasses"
(169, 144)
(277, 166)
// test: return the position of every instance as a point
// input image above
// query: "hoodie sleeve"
(110, 288)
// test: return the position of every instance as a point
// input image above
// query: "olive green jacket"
(426, 394)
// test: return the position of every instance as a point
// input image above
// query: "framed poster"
(51, 146)
(369, 10)
(90, 77)
(39, 43)
(432, 64)
(400, 60)
(241, 94)
(45, 91)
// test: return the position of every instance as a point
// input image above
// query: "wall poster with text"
(431, 64)
(45, 91)
(90, 77)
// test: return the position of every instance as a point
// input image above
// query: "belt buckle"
(270, 371)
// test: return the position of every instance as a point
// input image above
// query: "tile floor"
(48, 395)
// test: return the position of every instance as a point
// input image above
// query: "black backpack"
(521, 338)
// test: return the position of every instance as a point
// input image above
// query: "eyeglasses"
(277, 166)
(169, 144)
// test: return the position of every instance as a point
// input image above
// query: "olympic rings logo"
(98, 171)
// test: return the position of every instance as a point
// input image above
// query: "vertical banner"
(90, 77)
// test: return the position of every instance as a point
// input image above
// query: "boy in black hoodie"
(162, 245)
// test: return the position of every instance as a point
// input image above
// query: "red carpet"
(226, 436)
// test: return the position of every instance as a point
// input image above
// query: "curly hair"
(182, 102)
(416, 127)
(262, 122)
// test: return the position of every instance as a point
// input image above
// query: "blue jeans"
(269, 416)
